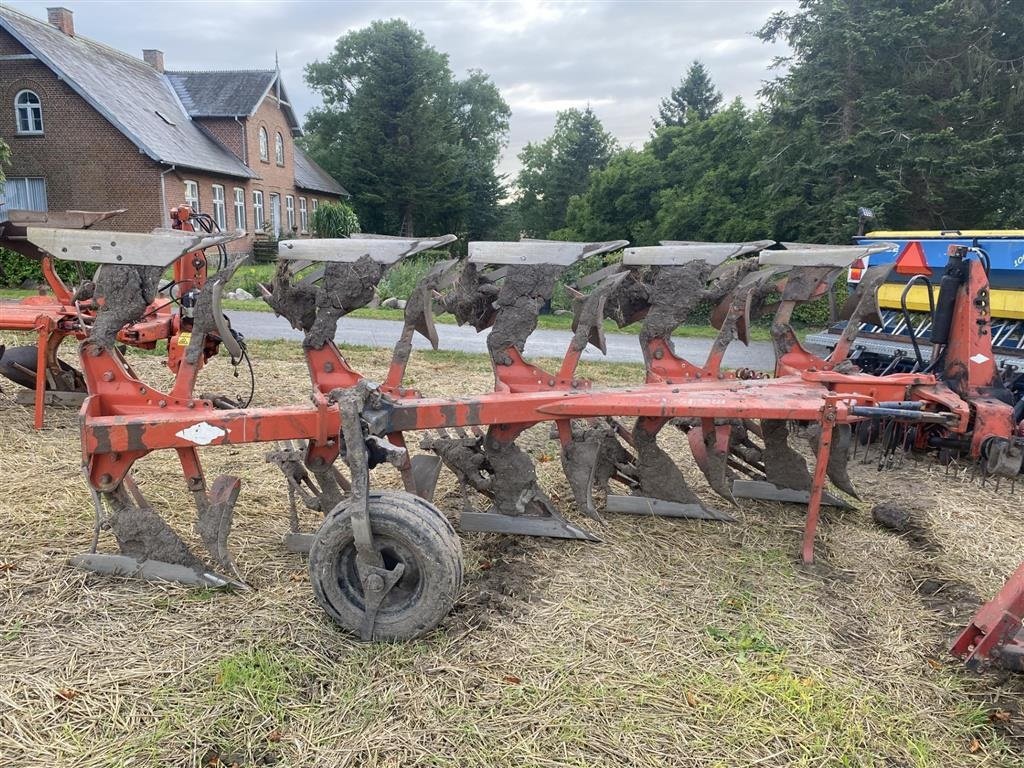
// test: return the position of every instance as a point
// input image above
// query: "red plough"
(387, 565)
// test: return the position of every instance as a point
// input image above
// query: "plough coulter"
(388, 564)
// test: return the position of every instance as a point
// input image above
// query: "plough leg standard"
(387, 565)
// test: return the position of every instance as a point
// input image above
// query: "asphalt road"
(542, 343)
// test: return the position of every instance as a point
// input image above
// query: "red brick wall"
(228, 132)
(87, 163)
(274, 178)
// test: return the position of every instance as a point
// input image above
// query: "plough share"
(388, 564)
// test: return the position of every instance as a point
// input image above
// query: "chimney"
(154, 58)
(62, 19)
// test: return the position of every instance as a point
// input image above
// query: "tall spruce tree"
(695, 98)
(560, 167)
(416, 147)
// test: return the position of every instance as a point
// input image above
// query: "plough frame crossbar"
(502, 286)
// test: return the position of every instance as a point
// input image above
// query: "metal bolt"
(108, 375)
(328, 366)
(106, 480)
(162, 403)
(551, 382)
(374, 583)
(658, 354)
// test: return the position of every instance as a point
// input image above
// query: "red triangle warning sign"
(911, 260)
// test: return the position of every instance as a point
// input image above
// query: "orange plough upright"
(64, 312)
(387, 564)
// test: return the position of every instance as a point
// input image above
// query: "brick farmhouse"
(92, 128)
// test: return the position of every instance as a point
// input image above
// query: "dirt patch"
(953, 599)
(504, 581)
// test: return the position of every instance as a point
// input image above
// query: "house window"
(192, 196)
(289, 209)
(303, 215)
(264, 146)
(22, 194)
(279, 149)
(275, 214)
(239, 208)
(315, 204)
(219, 211)
(29, 112)
(257, 209)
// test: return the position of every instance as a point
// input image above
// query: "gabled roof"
(236, 93)
(309, 175)
(134, 97)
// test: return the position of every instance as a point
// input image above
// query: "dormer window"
(279, 149)
(28, 111)
(264, 146)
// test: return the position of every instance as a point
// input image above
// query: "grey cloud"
(622, 57)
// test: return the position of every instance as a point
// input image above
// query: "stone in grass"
(393, 303)
(896, 517)
(240, 294)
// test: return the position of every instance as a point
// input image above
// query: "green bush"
(815, 313)
(401, 279)
(334, 220)
(16, 269)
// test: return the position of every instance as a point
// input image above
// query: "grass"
(670, 643)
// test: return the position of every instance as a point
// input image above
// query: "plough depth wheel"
(407, 531)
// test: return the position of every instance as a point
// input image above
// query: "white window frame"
(264, 145)
(279, 148)
(192, 195)
(274, 203)
(289, 212)
(303, 216)
(315, 204)
(8, 191)
(239, 208)
(257, 210)
(33, 113)
(220, 214)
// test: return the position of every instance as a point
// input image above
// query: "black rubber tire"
(406, 529)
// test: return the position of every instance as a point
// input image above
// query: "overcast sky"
(621, 57)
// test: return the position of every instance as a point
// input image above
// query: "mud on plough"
(388, 565)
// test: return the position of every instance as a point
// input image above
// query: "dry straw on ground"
(669, 644)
